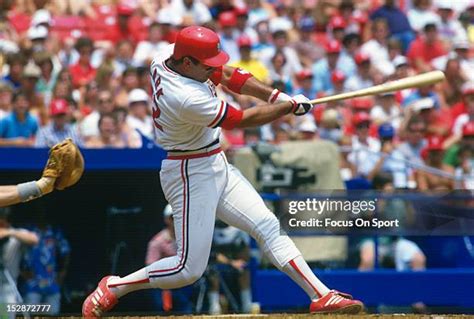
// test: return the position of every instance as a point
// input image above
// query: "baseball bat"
(405, 83)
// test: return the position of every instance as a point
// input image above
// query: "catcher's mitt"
(65, 163)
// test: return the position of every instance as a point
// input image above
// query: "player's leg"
(192, 187)
(242, 207)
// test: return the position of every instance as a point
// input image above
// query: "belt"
(212, 149)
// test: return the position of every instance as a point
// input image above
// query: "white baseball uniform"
(200, 184)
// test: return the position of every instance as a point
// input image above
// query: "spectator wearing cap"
(355, 18)
(357, 106)
(59, 128)
(390, 160)
(421, 13)
(248, 62)
(138, 117)
(364, 153)
(450, 29)
(387, 111)
(17, 63)
(377, 48)
(414, 135)
(323, 68)
(6, 95)
(337, 79)
(242, 26)
(123, 27)
(425, 48)
(421, 93)
(19, 127)
(191, 11)
(307, 129)
(337, 28)
(437, 123)
(41, 17)
(433, 154)
(362, 79)
(280, 43)
(308, 50)
(147, 49)
(402, 70)
(82, 72)
(31, 75)
(305, 84)
(465, 141)
(229, 34)
(397, 21)
(38, 36)
(468, 114)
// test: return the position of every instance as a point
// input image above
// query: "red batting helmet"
(200, 43)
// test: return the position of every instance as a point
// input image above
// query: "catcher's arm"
(64, 168)
(14, 194)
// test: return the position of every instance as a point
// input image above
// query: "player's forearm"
(251, 87)
(9, 195)
(14, 194)
(264, 114)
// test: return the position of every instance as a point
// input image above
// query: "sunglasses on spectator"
(102, 101)
(363, 125)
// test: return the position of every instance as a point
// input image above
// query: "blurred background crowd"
(80, 69)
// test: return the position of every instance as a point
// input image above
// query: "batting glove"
(301, 105)
(277, 97)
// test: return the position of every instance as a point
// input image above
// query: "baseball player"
(63, 169)
(199, 183)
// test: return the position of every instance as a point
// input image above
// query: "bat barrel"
(401, 84)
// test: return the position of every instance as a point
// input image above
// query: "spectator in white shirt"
(386, 110)
(146, 50)
(449, 28)
(138, 117)
(362, 79)
(191, 11)
(377, 48)
(421, 14)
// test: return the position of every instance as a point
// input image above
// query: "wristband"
(28, 191)
(238, 79)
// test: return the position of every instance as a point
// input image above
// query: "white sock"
(299, 271)
(136, 281)
(214, 304)
(246, 299)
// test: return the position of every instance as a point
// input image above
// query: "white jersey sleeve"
(200, 109)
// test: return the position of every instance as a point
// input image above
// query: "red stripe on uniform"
(143, 281)
(191, 156)
(183, 229)
(218, 115)
(293, 264)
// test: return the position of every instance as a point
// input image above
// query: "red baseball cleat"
(99, 301)
(336, 302)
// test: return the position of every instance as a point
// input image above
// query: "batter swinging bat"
(405, 83)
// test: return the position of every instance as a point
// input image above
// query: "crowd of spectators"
(79, 69)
